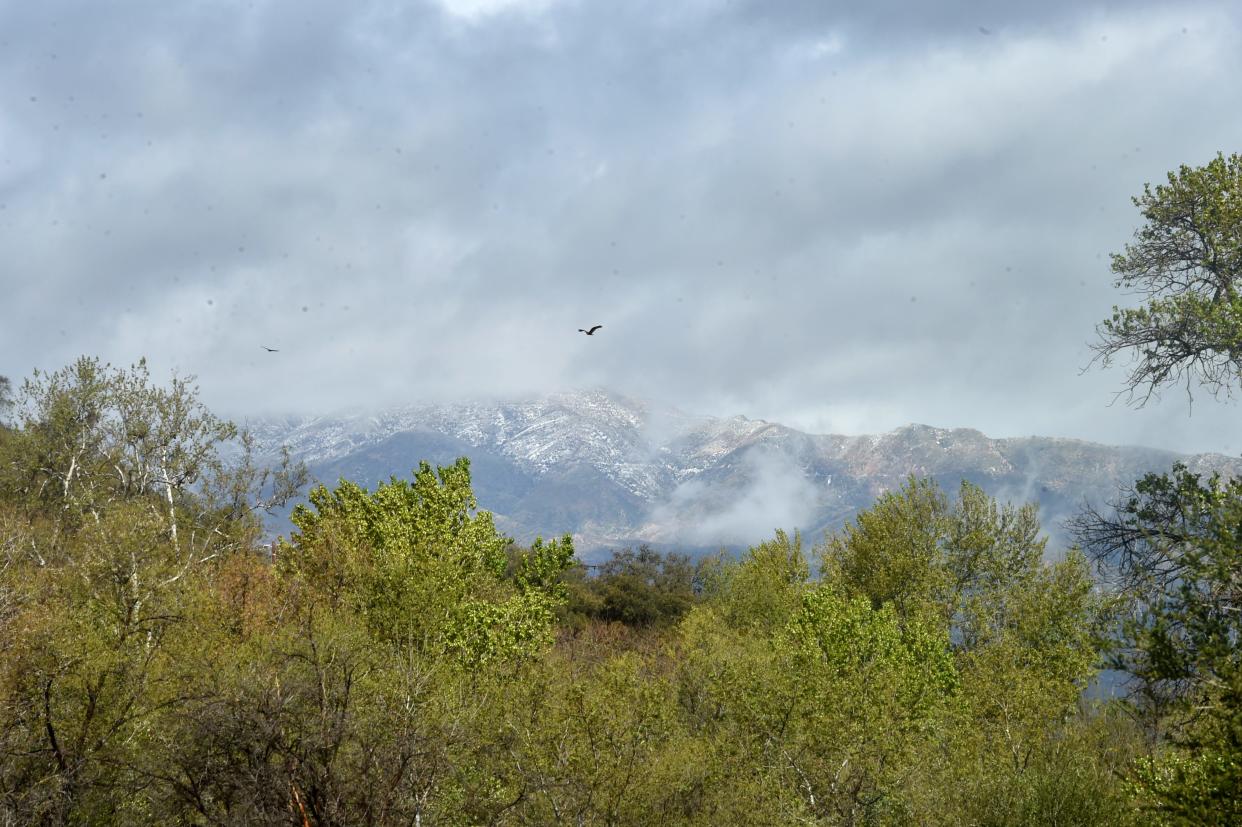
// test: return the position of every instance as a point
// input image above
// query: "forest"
(398, 660)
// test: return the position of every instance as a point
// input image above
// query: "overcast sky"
(840, 216)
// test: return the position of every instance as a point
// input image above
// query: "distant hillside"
(615, 471)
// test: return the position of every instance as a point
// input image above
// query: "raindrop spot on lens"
(305, 309)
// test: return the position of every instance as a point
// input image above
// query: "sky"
(840, 216)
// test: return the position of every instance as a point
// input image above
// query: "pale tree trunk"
(168, 497)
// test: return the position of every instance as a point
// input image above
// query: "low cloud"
(767, 491)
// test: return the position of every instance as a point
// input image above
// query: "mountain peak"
(613, 469)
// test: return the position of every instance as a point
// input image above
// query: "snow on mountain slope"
(615, 470)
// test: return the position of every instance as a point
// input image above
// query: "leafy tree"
(765, 589)
(893, 552)
(90, 436)
(1186, 262)
(116, 504)
(642, 589)
(962, 560)
(1024, 636)
(1174, 549)
(89, 665)
(425, 571)
(817, 697)
(588, 743)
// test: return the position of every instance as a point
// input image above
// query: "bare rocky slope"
(616, 471)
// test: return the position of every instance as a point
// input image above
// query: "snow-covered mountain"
(614, 471)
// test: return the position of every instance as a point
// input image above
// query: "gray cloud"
(842, 216)
(768, 492)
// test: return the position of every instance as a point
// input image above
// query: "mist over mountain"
(615, 471)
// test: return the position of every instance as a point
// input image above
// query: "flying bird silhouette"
(590, 332)
(269, 349)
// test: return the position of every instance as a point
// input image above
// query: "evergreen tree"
(1186, 261)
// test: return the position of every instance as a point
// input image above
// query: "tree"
(641, 589)
(1174, 550)
(1024, 645)
(1186, 262)
(89, 437)
(117, 502)
(424, 568)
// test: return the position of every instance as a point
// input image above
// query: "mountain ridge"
(614, 470)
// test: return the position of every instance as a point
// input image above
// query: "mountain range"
(615, 471)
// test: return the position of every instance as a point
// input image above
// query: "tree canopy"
(401, 661)
(1186, 264)
(1171, 550)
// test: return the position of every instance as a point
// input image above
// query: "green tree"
(642, 589)
(89, 665)
(1174, 550)
(1171, 549)
(424, 568)
(964, 560)
(765, 589)
(1025, 645)
(1186, 262)
(117, 504)
(90, 436)
(893, 552)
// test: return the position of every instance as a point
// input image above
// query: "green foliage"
(965, 561)
(839, 635)
(1025, 640)
(423, 570)
(1174, 550)
(89, 665)
(90, 437)
(641, 589)
(397, 663)
(892, 552)
(1187, 263)
(766, 588)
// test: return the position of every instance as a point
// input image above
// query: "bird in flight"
(590, 332)
(269, 349)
